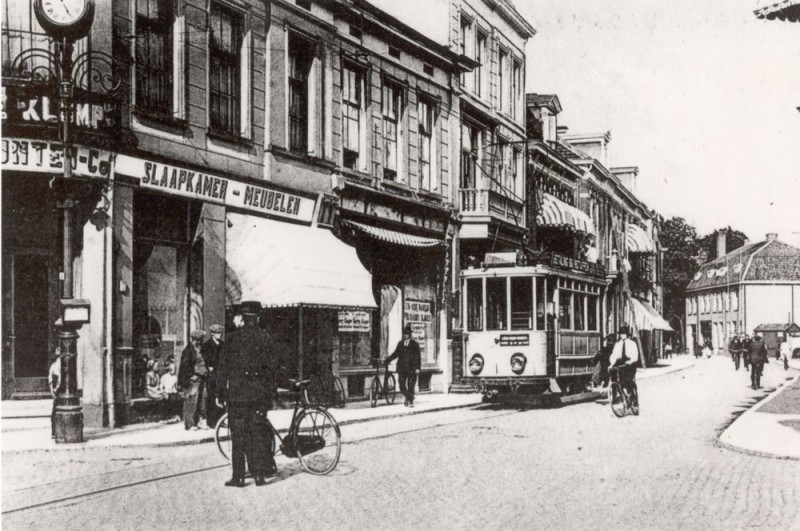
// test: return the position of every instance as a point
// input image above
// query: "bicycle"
(326, 390)
(388, 389)
(313, 436)
(622, 400)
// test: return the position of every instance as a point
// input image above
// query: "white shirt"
(169, 383)
(631, 352)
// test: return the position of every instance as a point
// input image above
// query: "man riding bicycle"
(625, 356)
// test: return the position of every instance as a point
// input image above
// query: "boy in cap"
(408, 364)
(211, 350)
(192, 377)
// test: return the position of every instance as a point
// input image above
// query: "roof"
(550, 101)
(777, 327)
(769, 260)
(788, 10)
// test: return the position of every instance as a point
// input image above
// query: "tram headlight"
(518, 363)
(476, 364)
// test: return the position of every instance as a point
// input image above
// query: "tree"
(681, 262)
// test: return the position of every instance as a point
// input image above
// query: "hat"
(198, 335)
(215, 328)
(151, 364)
(407, 328)
(624, 329)
(250, 308)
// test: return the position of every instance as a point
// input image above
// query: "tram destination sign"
(514, 340)
(572, 264)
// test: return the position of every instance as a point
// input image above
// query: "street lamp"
(65, 21)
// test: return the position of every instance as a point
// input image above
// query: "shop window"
(521, 303)
(565, 310)
(154, 53)
(301, 58)
(579, 311)
(592, 317)
(425, 382)
(496, 303)
(352, 106)
(225, 62)
(392, 112)
(474, 304)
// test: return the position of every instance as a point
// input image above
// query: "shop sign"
(354, 321)
(207, 187)
(515, 340)
(572, 264)
(418, 315)
(26, 108)
(41, 156)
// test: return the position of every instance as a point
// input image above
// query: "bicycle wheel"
(317, 440)
(338, 393)
(633, 399)
(222, 436)
(617, 399)
(374, 392)
(391, 389)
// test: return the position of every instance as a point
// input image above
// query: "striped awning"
(638, 241)
(556, 213)
(391, 236)
(647, 318)
(788, 10)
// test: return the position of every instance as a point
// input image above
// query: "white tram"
(531, 330)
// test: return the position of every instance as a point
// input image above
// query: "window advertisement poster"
(419, 315)
(354, 321)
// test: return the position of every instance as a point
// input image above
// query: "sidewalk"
(772, 427)
(26, 425)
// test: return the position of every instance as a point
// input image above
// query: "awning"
(281, 264)
(788, 10)
(557, 213)
(395, 237)
(638, 241)
(647, 318)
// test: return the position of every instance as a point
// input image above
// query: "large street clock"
(65, 18)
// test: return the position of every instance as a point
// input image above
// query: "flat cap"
(197, 335)
(215, 328)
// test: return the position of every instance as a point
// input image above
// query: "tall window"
(502, 79)
(480, 57)
(392, 111)
(474, 304)
(225, 44)
(425, 117)
(513, 172)
(352, 97)
(516, 87)
(301, 57)
(154, 20)
(469, 156)
(565, 309)
(466, 45)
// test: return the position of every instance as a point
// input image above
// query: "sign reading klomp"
(207, 187)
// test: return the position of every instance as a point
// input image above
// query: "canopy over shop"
(317, 295)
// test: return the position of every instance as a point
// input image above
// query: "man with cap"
(246, 382)
(408, 364)
(192, 377)
(757, 355)
(625, 355)
(211, 351)
(735, 348)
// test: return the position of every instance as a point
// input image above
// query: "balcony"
(490, 204)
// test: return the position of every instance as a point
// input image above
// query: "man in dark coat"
(746, 343)
(192, 378)
(735, 348)
(246, 382)
(408, 364)
(211, 350)
(757, 354)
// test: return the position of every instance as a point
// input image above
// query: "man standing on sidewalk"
(211, 350)
(757, 353)
(408, 364)
(735, 348)
(246, 382)
(746, 343)
(192, 376)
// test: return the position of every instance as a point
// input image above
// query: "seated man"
(625, 356)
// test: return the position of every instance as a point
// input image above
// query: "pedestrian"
(625, 355)
(757, 353)
(600, 372)
(192, 377)
(246, 384)
(153, 382)
(735, 348)
(784, 354)
(54, 382)
(408, 364)
(211, 351)
(668, 351)
(707, 350)
(169, 381)
(746, 342)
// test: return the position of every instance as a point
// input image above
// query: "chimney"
(772, 236)
(721, 242)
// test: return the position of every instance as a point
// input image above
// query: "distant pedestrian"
(192, 377)
(600, 372)
(746, 343)
(735, 348)
(758, 356)
(54, 382)
(784, 354)
(707, 350)
(668, 351)
(408, 364)
(246, 383)
(211, 350)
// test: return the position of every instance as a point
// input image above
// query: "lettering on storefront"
(40, 108)
(212, 188)
(48, 157)
(514, 340)
(354, 321)
(418, 315)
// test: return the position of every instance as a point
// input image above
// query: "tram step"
(462, 389)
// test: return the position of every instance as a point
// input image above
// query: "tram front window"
(474, 304)
(496, 303)
(565, 310)
(580, 317)
(521, 303)
(591, 313)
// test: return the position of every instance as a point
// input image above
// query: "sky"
(699, 94)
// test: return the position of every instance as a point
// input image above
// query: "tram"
(531, 330)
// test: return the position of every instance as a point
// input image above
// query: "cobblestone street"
(567, 468)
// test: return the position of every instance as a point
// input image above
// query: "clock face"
(64, 12)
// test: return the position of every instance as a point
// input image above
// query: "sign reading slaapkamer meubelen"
(207, 187)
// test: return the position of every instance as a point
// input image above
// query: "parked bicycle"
(622, 400)
(387, 389)
(326, 390)
(313, 436)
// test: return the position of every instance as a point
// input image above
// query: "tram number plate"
(514, 340)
